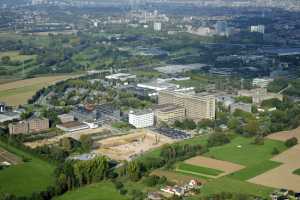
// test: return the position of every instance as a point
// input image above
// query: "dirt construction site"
(282, 176)
(128, 146)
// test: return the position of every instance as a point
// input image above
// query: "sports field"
(27, 177)
(18, 92)
(99, 191)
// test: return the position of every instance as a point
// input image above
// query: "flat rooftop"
(141, 112)
(72, 124)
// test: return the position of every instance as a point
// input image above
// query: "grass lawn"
(226, 184)
(297, 171)
(197, 170)
(256, 158)
(25, 178)
(98, 191)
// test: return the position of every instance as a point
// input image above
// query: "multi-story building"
(258, 29)
(38, 124)
(261, 82)
(197, 107)
(168, 113)
(157, 26)
(259, 95)
(141, 119)
(31, 125)
(18, 128)
(246, 107)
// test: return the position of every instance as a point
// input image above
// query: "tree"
(5, 60)
(275, 151)
(133, 170)
(217, 139)
(252, 127)
(86, 142)
(259, 140)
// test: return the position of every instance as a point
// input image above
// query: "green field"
(26, 178)
(297, 172)
(227, 184)
(99, 191)
(196, 170)
(256, 158)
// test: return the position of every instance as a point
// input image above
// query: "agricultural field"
(289, 168)
(22, 179)
(255, 158)
(223, 167)
(18, 92)
(252, 160)
(99, 191)
(197, 170)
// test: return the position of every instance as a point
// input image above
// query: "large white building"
(258, 29)
(141, 119)
(157, 26)
(261, 82)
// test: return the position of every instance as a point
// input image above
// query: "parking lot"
(173, 133)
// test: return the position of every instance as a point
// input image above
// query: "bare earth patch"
(285, 135)
(282, 176)
(128, 146)
(6, 156)
(225, 166)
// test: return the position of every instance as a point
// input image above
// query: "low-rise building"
(141, 119)
(9, 116)
(64, 118)
(72, 126)
(246, 107)
(168, 113)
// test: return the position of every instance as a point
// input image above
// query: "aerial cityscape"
(149, 99)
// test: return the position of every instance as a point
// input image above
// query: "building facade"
(168, 113)
(197, 107)
(141, 119)
(246, 107)
(29, 126)
(38, 124)
(18, 128)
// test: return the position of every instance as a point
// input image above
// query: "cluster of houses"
(284, 194)
(182, 190)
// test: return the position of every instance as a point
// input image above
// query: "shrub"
(291, 142)
(217, 139)
(275, 151)
(259, 140)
